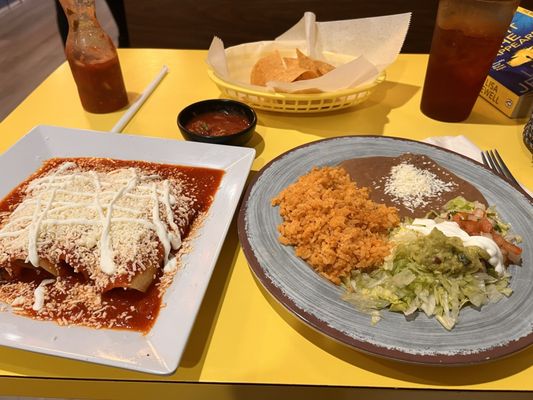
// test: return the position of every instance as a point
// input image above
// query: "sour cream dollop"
(452, 229)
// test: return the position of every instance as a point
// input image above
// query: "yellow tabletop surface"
(242, 336)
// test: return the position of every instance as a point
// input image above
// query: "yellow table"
(243, 343)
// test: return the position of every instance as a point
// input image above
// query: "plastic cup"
(467, 36)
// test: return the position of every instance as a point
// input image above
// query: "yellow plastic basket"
(296, 103)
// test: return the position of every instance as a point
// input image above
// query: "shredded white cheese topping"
(108, 222)
(413, 187)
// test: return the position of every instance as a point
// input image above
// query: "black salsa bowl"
(196, 122)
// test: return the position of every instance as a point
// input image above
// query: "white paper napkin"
(459, 144)
(464, 146)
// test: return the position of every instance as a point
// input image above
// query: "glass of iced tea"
(467, 36)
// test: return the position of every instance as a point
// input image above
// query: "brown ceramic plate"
(495, 331)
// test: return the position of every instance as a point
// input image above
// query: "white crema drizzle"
(38, 294)
(107, 264)
(98, 206)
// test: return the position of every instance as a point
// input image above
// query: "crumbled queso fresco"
(413, 187)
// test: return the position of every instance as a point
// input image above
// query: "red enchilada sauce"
(124, 309)
(121, 308)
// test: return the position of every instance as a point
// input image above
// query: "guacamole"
(441, 254)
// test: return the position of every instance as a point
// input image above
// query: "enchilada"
(96, 241)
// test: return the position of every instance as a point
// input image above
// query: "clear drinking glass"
(467, 36)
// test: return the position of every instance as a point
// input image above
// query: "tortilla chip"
(323, 67)
(293, 67)
(264, 67)
(306, 62)
(307, 75)
(273, 67)
(320, 67)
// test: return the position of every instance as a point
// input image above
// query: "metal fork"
(493, 160)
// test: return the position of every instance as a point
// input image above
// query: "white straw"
(128, 115)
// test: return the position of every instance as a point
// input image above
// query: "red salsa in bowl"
(217, 123)
(220, 121)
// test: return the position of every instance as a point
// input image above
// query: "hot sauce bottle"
(93, 59)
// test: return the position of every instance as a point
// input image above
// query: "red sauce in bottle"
(100, 85)
(93, 59)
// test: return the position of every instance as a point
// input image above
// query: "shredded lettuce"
(407, 283)
(499, 226)
(459, 203)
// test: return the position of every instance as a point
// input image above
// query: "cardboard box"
(509, 85)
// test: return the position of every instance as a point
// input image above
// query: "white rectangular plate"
(161, 349)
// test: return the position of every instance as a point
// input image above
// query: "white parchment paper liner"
(360, 49)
